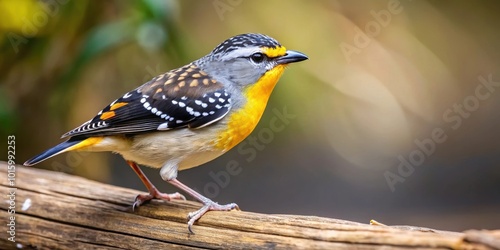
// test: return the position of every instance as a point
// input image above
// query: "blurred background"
(394, 117)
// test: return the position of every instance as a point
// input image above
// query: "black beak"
(291, 57)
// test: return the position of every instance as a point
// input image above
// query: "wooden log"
(58, 211)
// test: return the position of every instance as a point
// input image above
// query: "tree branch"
(56, 210)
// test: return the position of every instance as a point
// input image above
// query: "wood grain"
(69, 212)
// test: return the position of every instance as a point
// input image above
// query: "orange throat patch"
(242, 122)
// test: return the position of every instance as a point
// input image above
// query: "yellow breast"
(242, 122)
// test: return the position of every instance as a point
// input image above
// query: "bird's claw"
(144, 198)
(208, 206)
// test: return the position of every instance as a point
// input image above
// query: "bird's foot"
(155, 194)
(209, 205)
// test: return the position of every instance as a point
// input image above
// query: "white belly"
(184, 148)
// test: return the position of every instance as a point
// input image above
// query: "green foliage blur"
(382, 76)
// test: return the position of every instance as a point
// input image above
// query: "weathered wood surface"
(60, 211)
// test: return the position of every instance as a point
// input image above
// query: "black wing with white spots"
(186, 97)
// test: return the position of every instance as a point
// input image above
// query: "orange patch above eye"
(117, 105)
(107, 115)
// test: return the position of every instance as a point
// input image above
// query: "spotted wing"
(186, 97)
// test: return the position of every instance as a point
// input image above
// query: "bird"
(187, 116)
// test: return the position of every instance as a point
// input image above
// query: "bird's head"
(244, 60)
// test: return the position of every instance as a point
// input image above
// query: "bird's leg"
(208, 205)
(153, 191)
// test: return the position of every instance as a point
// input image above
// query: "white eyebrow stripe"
(242, 52)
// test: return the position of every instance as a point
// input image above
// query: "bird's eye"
(257, 57)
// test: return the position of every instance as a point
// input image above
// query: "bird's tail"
(69, 145)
